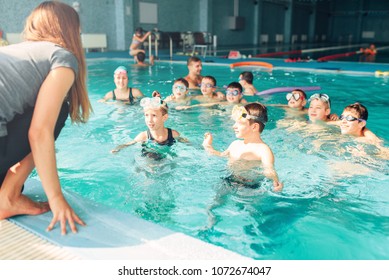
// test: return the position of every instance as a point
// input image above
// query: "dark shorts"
(16, 146)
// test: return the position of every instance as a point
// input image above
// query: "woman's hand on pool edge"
(63, 213)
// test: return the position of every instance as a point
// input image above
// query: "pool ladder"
(203, 48)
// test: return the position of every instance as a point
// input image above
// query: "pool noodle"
(286, 89)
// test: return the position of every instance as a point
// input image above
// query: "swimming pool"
(322, 213)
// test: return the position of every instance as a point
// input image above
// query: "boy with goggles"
(156, 114)
(179, 92)
(234, 93)
(249, 123)
(209, 91)
(353, 122)
(122, 92)
(297, 99)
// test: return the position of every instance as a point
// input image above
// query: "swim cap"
(120, 69)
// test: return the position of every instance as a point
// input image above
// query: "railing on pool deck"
(209, 45)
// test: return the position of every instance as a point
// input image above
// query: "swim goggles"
(234, 92)
(321, 96)
(350, 118)
(179, 88)
(153, 102)
(206, 85)
(239, 112)
(295, 96)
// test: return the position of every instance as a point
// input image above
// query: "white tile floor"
(17, 243)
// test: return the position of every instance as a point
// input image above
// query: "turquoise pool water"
(335, 204)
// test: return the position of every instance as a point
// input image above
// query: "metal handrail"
(171, 47)
(150, 46)
(155, 45)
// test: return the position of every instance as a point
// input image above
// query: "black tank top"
(168, 142)
(130, 96)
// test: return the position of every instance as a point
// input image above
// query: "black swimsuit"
(168, 142)
(130, 96)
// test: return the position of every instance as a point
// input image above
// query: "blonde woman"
(43, 81)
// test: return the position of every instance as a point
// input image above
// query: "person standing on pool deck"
(194, 76)
(43, 81)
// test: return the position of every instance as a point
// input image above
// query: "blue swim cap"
(120, 69)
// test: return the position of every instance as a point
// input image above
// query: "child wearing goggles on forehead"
(180, 91)
(122, 92)
(320, 108)
(156, 114)
(249, 123)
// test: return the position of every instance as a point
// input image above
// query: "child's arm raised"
(207, 144)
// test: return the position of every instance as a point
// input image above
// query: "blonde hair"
(59, 23)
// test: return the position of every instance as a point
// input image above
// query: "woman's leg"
(12, 202)
(17, 163)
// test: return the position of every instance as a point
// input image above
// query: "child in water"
(353, 122)
(249, 123)
(234, 95)
(156, 114)
(319, 110)
(246, 80)
(180, 92)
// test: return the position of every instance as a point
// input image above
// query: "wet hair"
(139, 30)
(302, 92)
(259, 110)
(212, 78)
(247, 76)
(235, 85)
(182, 80)
(164, 108)
(359, 109)
(192, 59)
(141, 56)
(59, 23)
